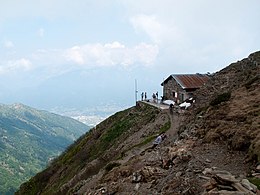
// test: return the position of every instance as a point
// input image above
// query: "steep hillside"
(211, 148)
(111, 140)
(29, 139)
(229, 107)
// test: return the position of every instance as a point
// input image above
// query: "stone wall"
(173, 91)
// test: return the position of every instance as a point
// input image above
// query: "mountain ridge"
(29, 139)
(218, 134)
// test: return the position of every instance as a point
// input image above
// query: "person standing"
(142, 96)
(145, 96)
(171, 109)
(154, 97)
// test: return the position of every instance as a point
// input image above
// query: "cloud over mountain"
(15, 66)
(112, 54)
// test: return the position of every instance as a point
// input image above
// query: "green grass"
(149, 139)
(255, 181)
(165, 127)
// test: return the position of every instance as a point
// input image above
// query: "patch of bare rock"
(224, 183)
(187, 166)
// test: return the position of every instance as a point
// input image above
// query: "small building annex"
(179, 87)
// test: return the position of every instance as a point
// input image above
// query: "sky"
(85, 53)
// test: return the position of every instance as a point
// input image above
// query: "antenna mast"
(136, 92)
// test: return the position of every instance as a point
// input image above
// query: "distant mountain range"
(29, 140)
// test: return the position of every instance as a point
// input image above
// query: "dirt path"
(175, 123)
(175, 119)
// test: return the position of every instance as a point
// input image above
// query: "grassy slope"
(99, 144)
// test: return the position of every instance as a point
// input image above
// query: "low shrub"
(251, 81)
(111, 165)
(221, 98)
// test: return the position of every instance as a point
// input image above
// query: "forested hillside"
(29, 140)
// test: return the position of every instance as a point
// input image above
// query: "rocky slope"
(211, 148)
(229, 106)
(29, 138)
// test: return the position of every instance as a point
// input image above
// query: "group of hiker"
(143, 96)
(154, 97)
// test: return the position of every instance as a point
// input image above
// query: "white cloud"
(155, 29)
(16, 66)
(8, 44)
(114, 45)
(112, 54)
(187, 33)
(146, 53)
(187, 30)
(40, 32)
(54, 62)
(49, 9)
(75, 54)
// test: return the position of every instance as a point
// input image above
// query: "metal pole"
(136, 92)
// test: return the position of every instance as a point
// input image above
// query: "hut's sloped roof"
(188, 81)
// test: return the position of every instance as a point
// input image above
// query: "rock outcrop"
(223, 182)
